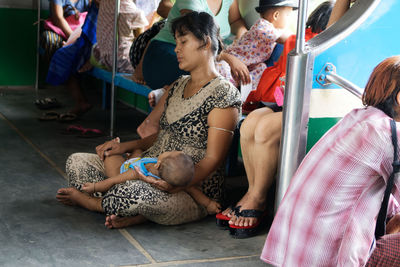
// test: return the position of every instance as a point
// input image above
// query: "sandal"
(49, 116)
(47, 103)
(67, 117)
(249, 231)
(73, 130)
(91, 133)
(222, 220)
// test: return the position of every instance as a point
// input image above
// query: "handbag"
(71, 20)
(380, 228)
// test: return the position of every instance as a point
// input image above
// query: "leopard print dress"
(183, 126)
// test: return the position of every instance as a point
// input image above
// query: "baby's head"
(176, 168)
(276, 11)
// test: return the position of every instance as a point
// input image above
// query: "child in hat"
(243, 61)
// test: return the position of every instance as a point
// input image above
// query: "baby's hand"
(213, 207)
(88, 188)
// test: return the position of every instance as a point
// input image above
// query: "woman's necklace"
(191, 89)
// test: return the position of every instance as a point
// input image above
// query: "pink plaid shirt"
(328, 214)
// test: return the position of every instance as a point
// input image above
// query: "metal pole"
(294, 123)
(37, 49)
(301, 26)
(114, 67)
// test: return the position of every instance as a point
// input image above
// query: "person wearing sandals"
(260, 135)
(201, 110)
(329, 213)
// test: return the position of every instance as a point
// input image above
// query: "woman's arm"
(57, 16)
(220, 121)
(164, 7)
(341, 6)
(238, 26)
(113, 147)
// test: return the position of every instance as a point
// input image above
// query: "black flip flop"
(241, 232)
(47, 103)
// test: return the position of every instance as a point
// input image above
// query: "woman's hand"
(109, 148)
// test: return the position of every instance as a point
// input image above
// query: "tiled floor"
(35, 230)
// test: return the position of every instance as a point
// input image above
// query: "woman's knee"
(268, 129)
(250, 124)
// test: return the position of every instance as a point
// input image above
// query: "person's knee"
(268, 130)
(248, 126)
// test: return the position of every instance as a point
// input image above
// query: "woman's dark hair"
(201, 25)
(319, 18)
(383, 86)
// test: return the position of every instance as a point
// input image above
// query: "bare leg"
(261, 161)
(138, 74)
(86, 67)
(114, 221)
(72, 197)
(81, 103)
(393, 225)
(112, 165)
(247, 137)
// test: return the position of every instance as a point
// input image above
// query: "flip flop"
(67, 117)
(241, 232)
(91, 133)
(47, 103)
(222, 220)
(49, 116)
(73, 130)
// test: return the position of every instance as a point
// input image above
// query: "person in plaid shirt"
(328, 214)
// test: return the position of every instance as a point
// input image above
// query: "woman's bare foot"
(113, 221)
(249, 203)
(68, 196)
(81, 109)
(229, 212)
(147, 128)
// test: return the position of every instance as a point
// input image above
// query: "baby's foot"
(155, 96)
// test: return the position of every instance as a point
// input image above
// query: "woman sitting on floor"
(200, 114)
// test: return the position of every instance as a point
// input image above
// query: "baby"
(174, 167)
(243, 61)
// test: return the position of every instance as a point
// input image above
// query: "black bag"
(380, 228)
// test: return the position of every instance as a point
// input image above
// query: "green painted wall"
(317, 127)
(18, 47)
